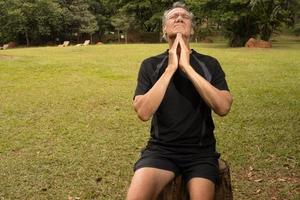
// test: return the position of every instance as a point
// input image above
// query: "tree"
(271, 14)
(121, 21)
(104, 10)
(83, 21)
(239, 22)
(232, 16)
(208, 15)
(31, 20)
(147, 14)
(12, 20)
(296, 17)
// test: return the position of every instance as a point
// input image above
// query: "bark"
(27, 38)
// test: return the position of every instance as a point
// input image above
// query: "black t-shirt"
(183, 118)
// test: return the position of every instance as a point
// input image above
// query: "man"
(178, 89)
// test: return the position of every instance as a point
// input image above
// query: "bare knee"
(147, 183)
(139, 195)
(201, 189)
(139, 191)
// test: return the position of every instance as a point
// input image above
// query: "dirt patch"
(7, 57)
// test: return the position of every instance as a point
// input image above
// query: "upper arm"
(143, 79)
(218, 78)
(143, 84)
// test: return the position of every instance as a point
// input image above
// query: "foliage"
(296, 17)
(103, 10)
(237, 23)
(43, 21)
(32, 19)
(147, 13)
(242, 19)
(271, 14)
(296, 29)
(83, 20)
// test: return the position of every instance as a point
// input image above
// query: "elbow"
(143, 116)
(224, 109)
(142, 111)
(222, 112)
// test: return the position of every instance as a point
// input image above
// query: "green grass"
(67, 127)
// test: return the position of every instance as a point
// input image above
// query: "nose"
(179, 18)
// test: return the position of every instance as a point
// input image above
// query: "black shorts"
(189, 162)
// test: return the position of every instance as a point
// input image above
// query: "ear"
(164, 29)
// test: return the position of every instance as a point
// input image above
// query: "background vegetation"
(68, 130)
(40, 22)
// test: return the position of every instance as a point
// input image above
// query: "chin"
(174, 34)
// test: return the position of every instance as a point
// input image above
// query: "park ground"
(68, 130)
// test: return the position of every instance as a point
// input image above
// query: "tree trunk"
(27, 38)
(266, 34)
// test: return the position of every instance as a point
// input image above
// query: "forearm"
(218, 100)
(145, 105)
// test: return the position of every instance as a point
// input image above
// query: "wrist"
(189, 70)
(170, 69)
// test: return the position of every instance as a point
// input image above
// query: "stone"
(253, 43)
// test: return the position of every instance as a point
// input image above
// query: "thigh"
(201, 189)
(148, 182)
(200, 167)
(201, 174)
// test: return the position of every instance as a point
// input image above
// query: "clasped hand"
(179, 54)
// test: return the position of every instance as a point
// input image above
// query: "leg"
(201, 174)
(148, 182)
(201, 189)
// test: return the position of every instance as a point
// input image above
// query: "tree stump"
(176, 189)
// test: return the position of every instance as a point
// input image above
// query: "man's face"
(178, 20)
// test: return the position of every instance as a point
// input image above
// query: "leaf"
(250, 174)
(281, 180)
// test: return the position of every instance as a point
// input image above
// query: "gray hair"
(178, 4)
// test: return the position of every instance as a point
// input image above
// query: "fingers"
(173, 55)
(176, 42)
(184, 59)
(182, 43)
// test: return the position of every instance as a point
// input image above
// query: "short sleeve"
(218, 79)
(143, 79)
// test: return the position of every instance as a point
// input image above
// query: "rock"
(253, 43)
(9, 45)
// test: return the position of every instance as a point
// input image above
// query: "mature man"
(178, 89)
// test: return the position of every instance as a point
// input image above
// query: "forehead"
(177, 10)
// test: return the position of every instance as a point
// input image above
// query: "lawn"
(68, 130)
